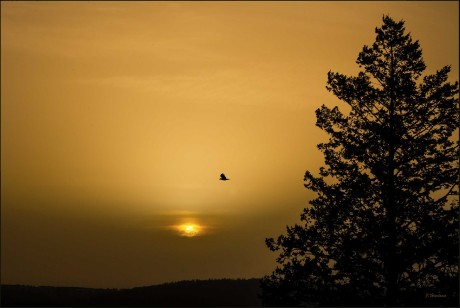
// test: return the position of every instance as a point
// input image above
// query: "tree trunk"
(391, 298)
(391, 231)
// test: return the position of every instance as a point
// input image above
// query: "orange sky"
(117, 119)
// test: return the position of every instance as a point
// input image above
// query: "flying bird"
(223, 177)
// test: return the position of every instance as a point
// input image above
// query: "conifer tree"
(383, 228)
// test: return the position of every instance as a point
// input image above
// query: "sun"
(189, 230)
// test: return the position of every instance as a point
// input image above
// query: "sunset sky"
(117, 119)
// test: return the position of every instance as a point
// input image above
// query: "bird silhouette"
(223, 177)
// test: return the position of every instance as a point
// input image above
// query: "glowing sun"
(189, 229)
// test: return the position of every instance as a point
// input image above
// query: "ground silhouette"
(192, 293)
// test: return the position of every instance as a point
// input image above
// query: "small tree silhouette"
(383, 229)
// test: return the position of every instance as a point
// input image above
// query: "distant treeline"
(198, 293)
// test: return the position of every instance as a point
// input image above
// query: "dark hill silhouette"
(192, 293)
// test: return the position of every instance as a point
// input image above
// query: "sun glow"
(189, 230)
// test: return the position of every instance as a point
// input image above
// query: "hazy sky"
(117, 119)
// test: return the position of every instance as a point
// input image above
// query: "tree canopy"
(383, 227)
